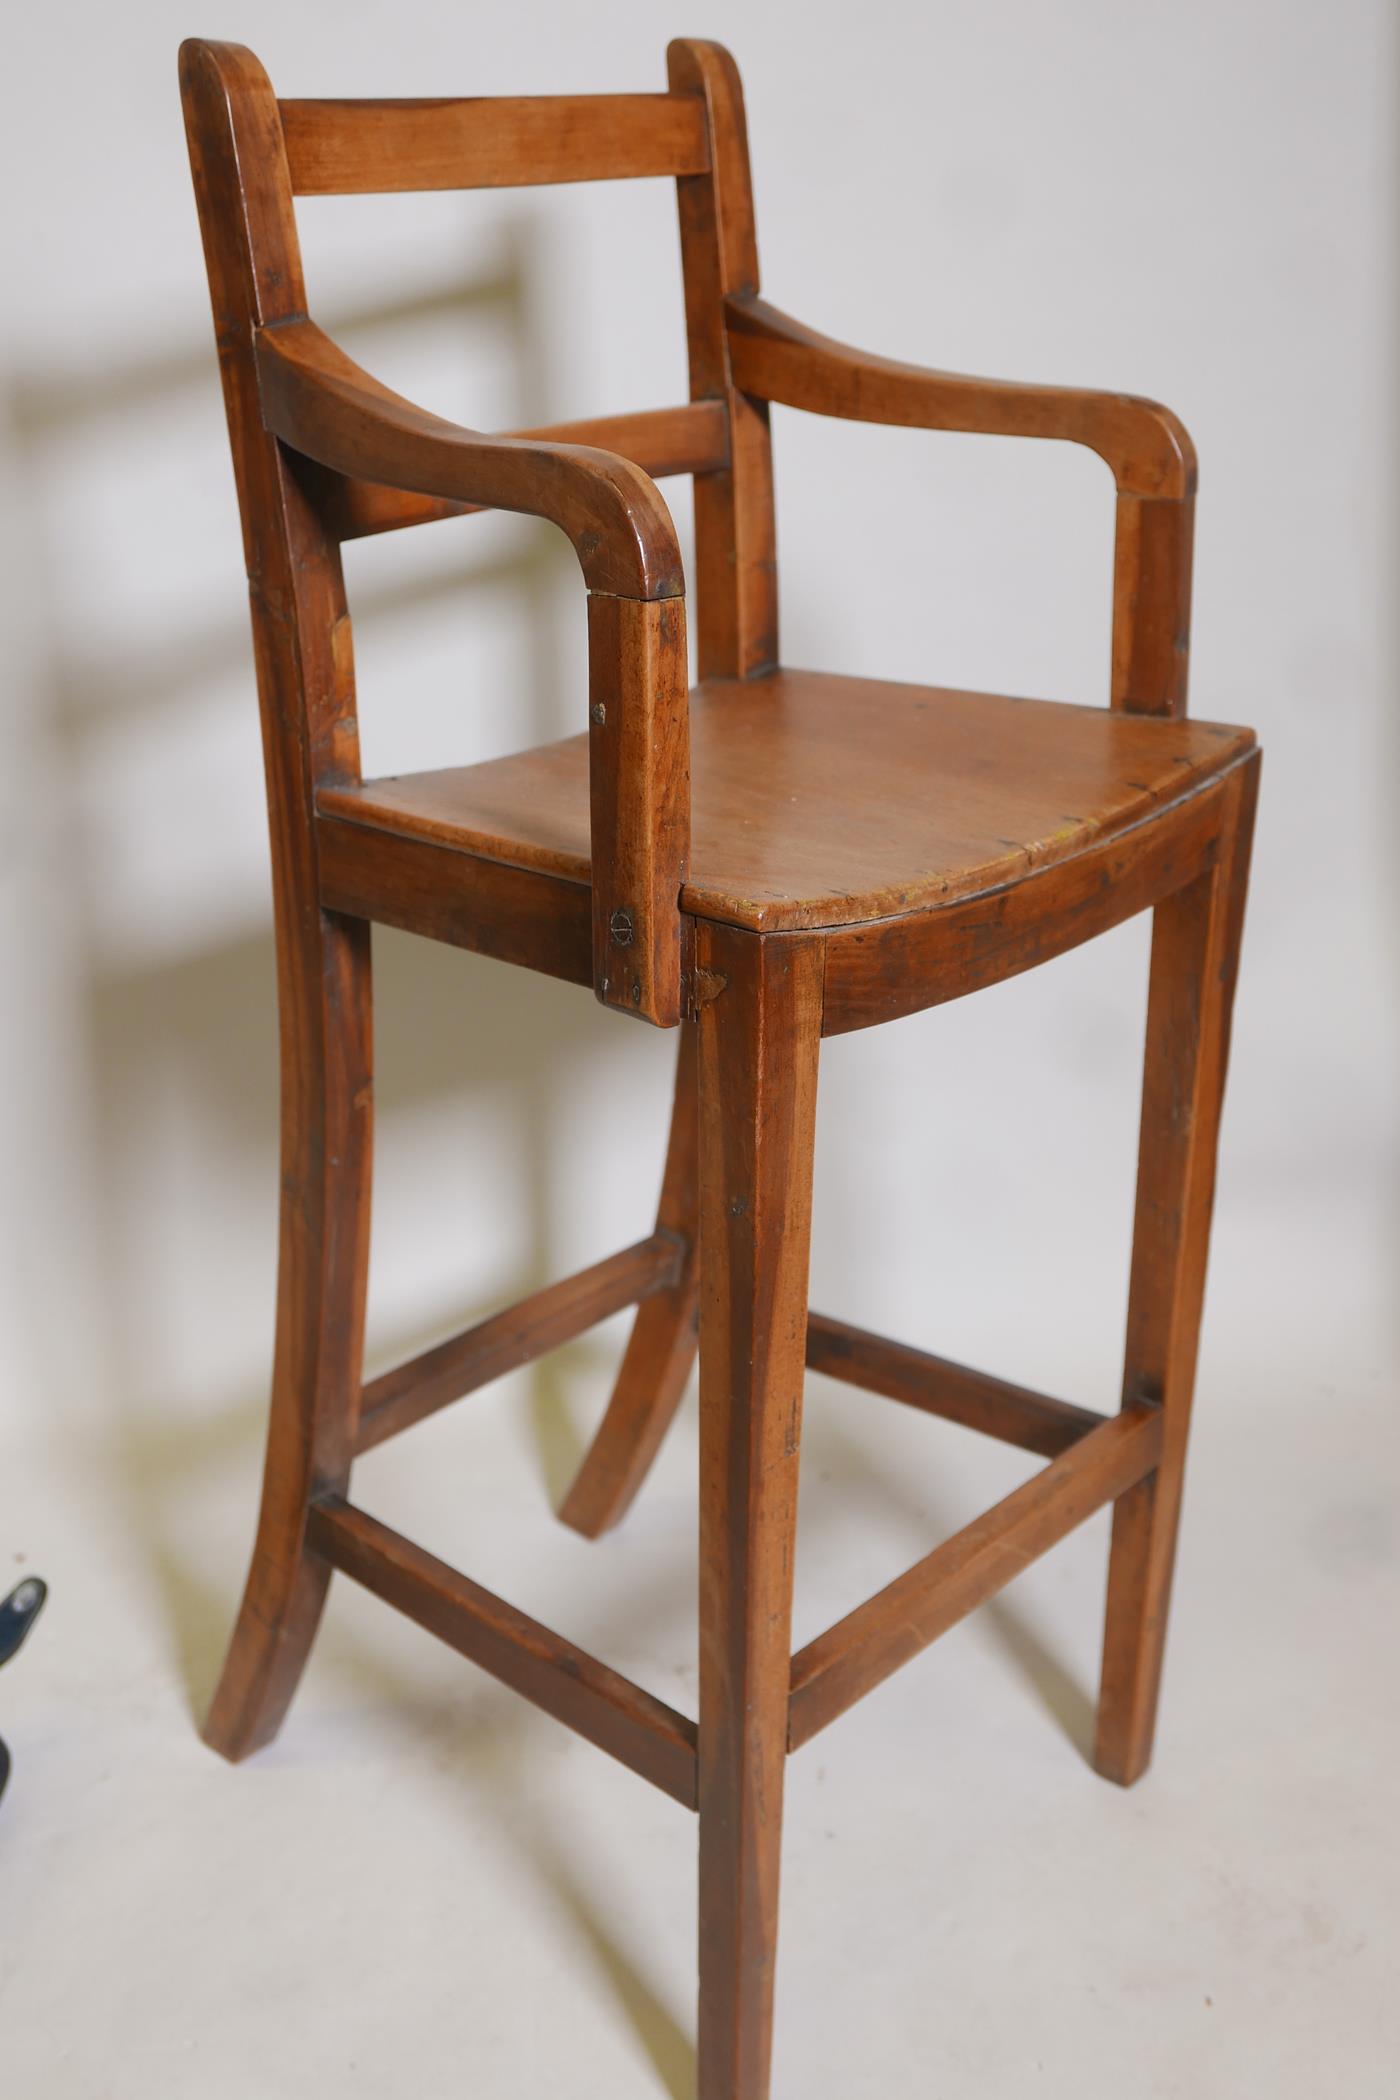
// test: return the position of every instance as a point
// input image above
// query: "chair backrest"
(273, 151)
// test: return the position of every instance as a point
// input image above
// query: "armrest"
(321, 404)
(1153, 461)
(779, 360)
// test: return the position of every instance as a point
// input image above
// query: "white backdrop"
(1194, 201)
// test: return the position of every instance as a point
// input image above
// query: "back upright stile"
(735, 543)
(858, 851)
(302, 648)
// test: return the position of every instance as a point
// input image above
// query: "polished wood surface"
(774, 358)
(514, 915)
(318, 401)
(664, 1339)
(776, 856)
(1195, 959)
(832, 1672)
(479, 1355)
(933, 1384)
(583, 1693)
(498, 142)
(778, 359)
(305, 675)
(887, 968)
(759, 1045)
(329, 409)
(690, 439)
(736, 555)
(822, 801)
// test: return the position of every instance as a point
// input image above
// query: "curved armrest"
(1153, 460)
(322, 404)
(777, 359)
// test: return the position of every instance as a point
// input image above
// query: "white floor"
(425, 1888)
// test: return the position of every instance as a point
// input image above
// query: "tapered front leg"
(322, 1264)
(1195, 954)
(759, 1039)
(661, 1349)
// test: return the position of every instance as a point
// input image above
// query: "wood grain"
(324, 405)
(593, 1700)
(832, 1672)
(318, 401)
(305, 677)
(894, 967)
(1152, 561)
(1195, 962)
(774, 358)
(736, 566)
(346, 148)
(639, 802)
(1032, 1421)
(539, 922)
(662, 1346)
(779, 359)
(824, 801)
(758, 1081)
(691, 439)
(546, 1320)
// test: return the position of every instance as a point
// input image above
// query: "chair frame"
(323, 454)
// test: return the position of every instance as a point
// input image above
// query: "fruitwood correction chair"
(774, 857)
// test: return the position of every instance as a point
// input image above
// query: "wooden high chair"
(773, 857)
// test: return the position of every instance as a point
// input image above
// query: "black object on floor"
(17, 1614)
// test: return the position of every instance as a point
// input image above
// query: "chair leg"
(322, 1265)
(662, 1345)
(757, 1082)
(1195, 952)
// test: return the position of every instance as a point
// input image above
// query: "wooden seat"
(776, 857)
(824, 801)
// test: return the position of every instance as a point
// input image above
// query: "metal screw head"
(598, 712)
(621, 928)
